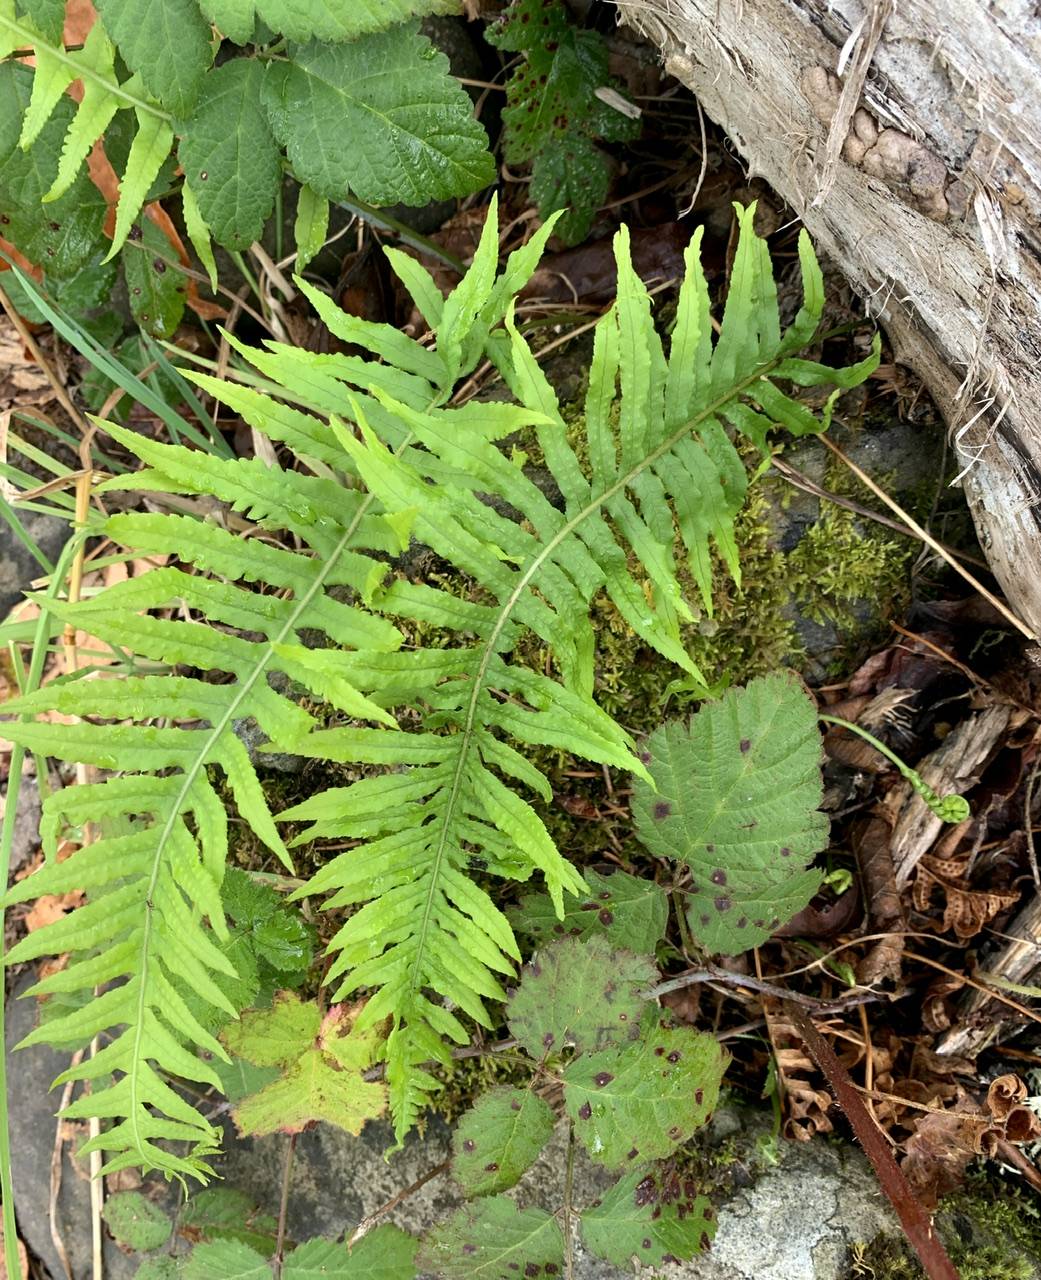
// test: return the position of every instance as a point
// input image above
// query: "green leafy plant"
(554, 117)
(634, 1089)
(352, 97)
(386, 455)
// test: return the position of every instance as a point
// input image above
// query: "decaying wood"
(1017, 961)
(920, 177)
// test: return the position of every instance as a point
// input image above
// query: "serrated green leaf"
(310, 226)
(499, 1138)
(379, 117)
(161, 1268)
(552, 115)
(738, 797)
(135, 1222)
(629, 911)
(48, 17)
(225, 1213)
(654, 1215)
(225, 1260)
(167, 42)
(492, 1240)
(572, 174)
(93, 112)
(232, 18)
(67, 236)
(277, 934)
(156, 290)
(641, 1101)
(579, 992)
(321, 1060)
(229, 156)
(388, 1253)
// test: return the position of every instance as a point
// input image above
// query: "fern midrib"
(59, 53)
(190, 775)
(565, 531)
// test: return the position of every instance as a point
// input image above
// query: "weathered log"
(919, 175)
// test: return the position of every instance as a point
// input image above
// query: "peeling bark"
(920, 176)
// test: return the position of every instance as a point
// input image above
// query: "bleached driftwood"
(919, 174)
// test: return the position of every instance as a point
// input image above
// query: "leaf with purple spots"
(629, 911)
(494, 1240)
(634, 1104)
(498, 1139)
(738, 801)
(651, 1214)
(579, 993)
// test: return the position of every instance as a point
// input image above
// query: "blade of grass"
(107, 365)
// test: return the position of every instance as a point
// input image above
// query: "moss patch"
(991, 1230)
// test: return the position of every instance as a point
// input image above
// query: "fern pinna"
(384, 455)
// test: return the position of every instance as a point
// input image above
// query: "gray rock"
(33, 1126)
(18, 567)
(26, 838)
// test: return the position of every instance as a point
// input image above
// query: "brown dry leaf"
(51, 907)
(1005, 1093)
(965, 910)
(941, 1148)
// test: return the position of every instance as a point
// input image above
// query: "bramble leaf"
(640, 1101)
(553, 116)
(225, 1260)
(379, 117)
(629, 911)
(388, 1253)
(498, 1139)
(229, 154)
(66, 236)
(737, 800)
(156, 289)
(225, 1213)
(492, 1240)
(653, 1215)
(136, 1222)
(167, 42)
(581, 993)
(321, 1059)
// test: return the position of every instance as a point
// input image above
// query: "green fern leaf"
(737, 799)
(150, 147)
(436, 794)
(379, 117)
(229, 155)
(310, 227)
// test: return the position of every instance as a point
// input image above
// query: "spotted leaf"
(494, 1240)
(639, 1102)
(651, 1214)
(629, 911)
(737, 800)
(499, 1138)
(579, 993)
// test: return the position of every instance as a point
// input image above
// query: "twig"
(283, 1207)
(369, 1221)
(56, 1167)
(714, 974)
(913, 1219)
(928, 538)
(569, 1190)
(1028, 807)
(704, 163)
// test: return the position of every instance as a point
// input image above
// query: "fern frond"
(446, 723)
(103, 96)
(154, 919)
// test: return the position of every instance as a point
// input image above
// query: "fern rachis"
(424, 938)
